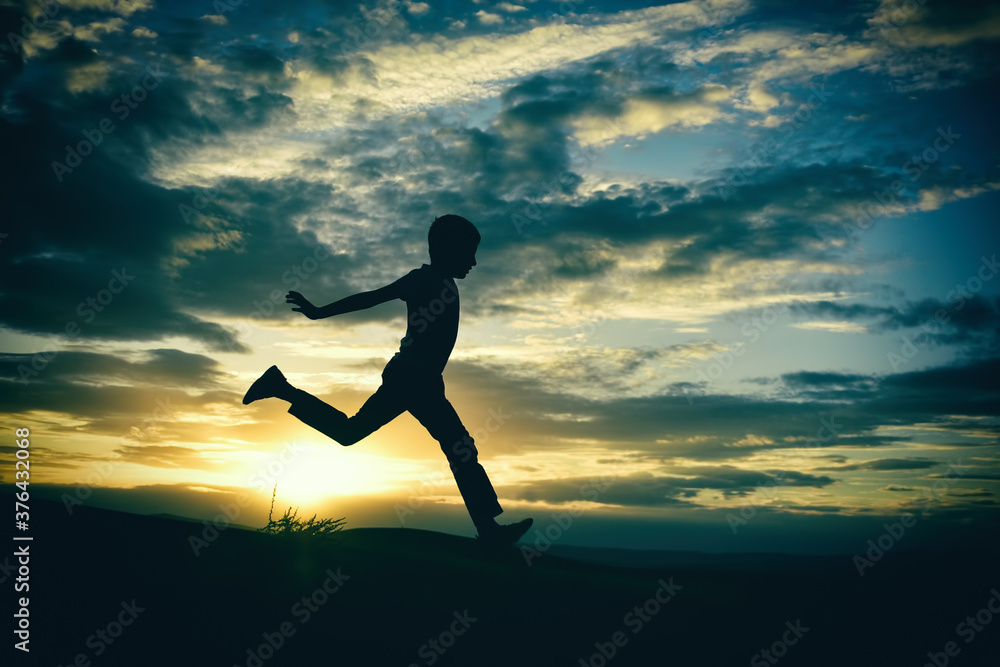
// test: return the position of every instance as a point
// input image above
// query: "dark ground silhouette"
(401, 588)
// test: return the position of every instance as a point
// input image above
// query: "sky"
(736, 289)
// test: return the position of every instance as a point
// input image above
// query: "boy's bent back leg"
(427, 403)
(381, 408)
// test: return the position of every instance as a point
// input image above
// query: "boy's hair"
(450, 232)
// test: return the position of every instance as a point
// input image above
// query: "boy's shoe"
(505, 535)
(267, 385)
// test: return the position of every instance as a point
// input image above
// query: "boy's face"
(461, 259)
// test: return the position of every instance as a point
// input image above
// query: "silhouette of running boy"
(412, 380)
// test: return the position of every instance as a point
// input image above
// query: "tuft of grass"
(290, 524)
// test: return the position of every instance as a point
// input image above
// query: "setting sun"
(308, 473)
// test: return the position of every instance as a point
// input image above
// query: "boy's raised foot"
(498, 535)
(267, 385)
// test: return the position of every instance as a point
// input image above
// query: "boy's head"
(452, 241)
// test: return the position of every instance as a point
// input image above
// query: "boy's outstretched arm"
(348, 304)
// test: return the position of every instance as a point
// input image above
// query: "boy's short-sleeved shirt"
(432, 308)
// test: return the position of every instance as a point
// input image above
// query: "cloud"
(962, 388)
(156, 367)
(168, 456)
(486, 18)
(931, 24)
(91, 393)
(648, 490)
(984, 476)
(122, 7)
(445, 71)
(654, 111)
(963, 319)
(886, 464)
(417, 8)
(833, 327)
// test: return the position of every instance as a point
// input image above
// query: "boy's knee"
(339, 436)
(348, 437)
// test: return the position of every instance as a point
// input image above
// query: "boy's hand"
(304, 306)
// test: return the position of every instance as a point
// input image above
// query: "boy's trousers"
(406, 388)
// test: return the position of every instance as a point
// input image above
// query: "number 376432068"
(22, 474)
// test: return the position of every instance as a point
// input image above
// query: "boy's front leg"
(439, 417)
(477, 492)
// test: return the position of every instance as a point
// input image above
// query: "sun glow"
(309, 473)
